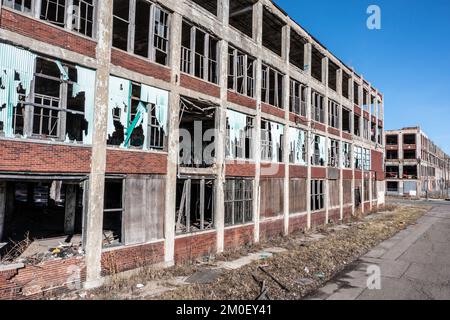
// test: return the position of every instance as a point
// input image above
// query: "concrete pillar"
(309, 140)
(308, 58)
(325, 71)
(2, 208)
(257, 151)
(94, 219)
(339, 80)
(70, 209)
(258, 23)
(173, 141)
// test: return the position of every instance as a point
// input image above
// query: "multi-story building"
(163, 131)
(415, 166)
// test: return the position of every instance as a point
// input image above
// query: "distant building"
(415, 166)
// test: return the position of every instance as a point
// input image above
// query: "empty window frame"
(373, 106)
(272, 33)
(298, 95)
(113, 212)
(333, 153)
(143, 30)
(297, 50)
(272, 135)
(316, 64)
(380, 136)
(240, 130)
(359, 156)
(365, 100)
(317, 195)
(366, 129)
(54, 11)
(392, 172)
(241, 72)
(272, 87)
(333, 114)
(209, 5)
(238, 201)
(241, 16)
(366, 159)
(317, 107)
(346, 155)
(199, 53)
(409, 139)
(195, 205)
(345, 85)
(357, 125)
(356, 93)
(392, 186)
(366, 183)
(319, 151)
(392, 140)
(409, 154)
(373, 132)
(332, 75)
(346, 120)
(392, 154)
(410, 172)
(25, 6)
(297, 146)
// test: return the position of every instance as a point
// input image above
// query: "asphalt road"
(413, 265)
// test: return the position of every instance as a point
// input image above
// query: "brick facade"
(190, 248)
(238, 237)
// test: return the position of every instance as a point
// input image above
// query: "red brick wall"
(192, 247)
(298, 119)
(319, 126)
(299, 223)
(271, 229)
(357, 110)
(366, 206)
(233, 169)
(347, 174)
(347, 136)
(298, 171)
(273, 170)
(318, 219)
(377, 163)
(334, 131)
(318, 173)
(366, 115)
(241, 100)
(44, 32)
(200, 85)
(274, 111)
(235, 238)
(334, 215)
(358, 174)
(129, 258)
(52, 158)
(348, 211)
(140, 65)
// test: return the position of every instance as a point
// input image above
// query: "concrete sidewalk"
(414, 265)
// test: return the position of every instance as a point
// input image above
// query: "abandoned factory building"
(415, 165)
(136, 132)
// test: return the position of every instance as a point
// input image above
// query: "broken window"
(241, 72)
(380, 135)
(240, 129)
(373, 132)
(147, 24)
(197, 133)
(346, 155)
(392, 172)
(345, 85)
(409, 154)
(41, 214)
(316, 64)
(317, 107)
(357, 125)
(59, 107)
(356, 93)
(297, 146)
(409, 139)
(272, 135)
(298, 95)
(333, 114)
(392, 154)
(332, 75)
(366, 190)
(333, 154)
(365, 100)
(373, 106)
(199, 53)
(210, 5)
(392, 186)
(410, 172)
(272, 87)
(54, 11)
(317, 195)
(359, 156)
(346, 125)
(82, 19)
(238, 201)
(25, 6)
(113, 212)
(195, 205)
(272, 33)
(319, 152)
(366, 129)
(391, 140)
(297, 50)
(137, 115)
(241, 16)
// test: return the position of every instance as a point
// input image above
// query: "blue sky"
(408, 59)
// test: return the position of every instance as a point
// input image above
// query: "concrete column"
(2, 208)
(224, 12)
(94, 219)
(325, 71)
(309, 140)
(339, 80)
(220, 147)
(172, 141)
(257, 23)
(70, 209)
(257, 152)
(286, 93)
(308, 58)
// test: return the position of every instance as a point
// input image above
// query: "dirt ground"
(305, 265)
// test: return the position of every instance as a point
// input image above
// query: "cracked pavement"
(414, 265)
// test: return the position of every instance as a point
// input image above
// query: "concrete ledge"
(9, 267)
